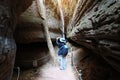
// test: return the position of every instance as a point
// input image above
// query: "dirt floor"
(48, 72)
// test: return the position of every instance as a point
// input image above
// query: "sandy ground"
(48, 72)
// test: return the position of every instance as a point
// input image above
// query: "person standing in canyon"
(62, 52)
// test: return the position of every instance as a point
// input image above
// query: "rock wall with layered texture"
(30, 23)
(95, 26)
(9, 13)
(30, 27)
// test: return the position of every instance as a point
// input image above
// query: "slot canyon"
(28, 32)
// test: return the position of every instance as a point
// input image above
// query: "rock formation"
(30, 27)
(95, 26)
(8, 18)
(90, 25)
(7, 43)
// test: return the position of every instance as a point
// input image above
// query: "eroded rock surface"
(97, 29)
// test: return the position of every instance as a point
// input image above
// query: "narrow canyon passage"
(49, 71)
(29, 30)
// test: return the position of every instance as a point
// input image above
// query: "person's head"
(62, 40)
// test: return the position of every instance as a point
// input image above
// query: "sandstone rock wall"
(9, 11)
(95, 26)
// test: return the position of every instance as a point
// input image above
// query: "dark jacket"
(63, 49)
